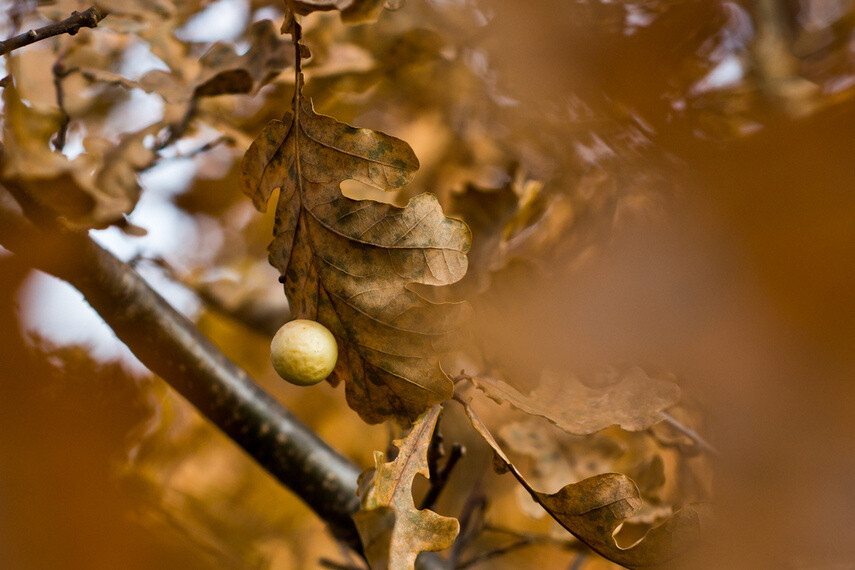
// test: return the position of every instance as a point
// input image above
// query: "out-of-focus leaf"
(632, 402)
(27, 134)
(557, 458)
(116, 183)
(486, 212)
(93, 191)
(392, 530)
(554, 461)
(222, 71)
(351, 264)
(593, 510)
(517, 220)
(352, 11)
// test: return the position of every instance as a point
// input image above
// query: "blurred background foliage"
(656, 182)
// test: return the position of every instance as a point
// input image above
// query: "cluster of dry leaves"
(360, 267)
(396, 279)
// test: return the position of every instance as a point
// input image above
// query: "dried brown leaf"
(593, 510)
(392, 530)
(222, 71)
(352, 11)
(351, 264)
(557, 458)
(633, 402)
(93, 191)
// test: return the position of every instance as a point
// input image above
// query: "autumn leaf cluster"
(397, 251)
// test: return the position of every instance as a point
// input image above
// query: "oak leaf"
(556, 458)
(633, 402)
(594, 509)
(392, 530)
(351, 265)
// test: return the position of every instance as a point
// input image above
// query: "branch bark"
(172, 347)
(71, 25)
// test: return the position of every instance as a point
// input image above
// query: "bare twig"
(690, 433)
(439, 479)
(258, 319)
(333, 565)
(71, 25)
(496, 552)
(436, 451)
(59, 75)
(471, 520)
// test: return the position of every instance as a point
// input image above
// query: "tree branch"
(172, 347)
(169, 345)
(71, 25)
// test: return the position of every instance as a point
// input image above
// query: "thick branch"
(71, 25)
(172, 347)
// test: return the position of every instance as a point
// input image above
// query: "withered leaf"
(221, 71)
(486, 212)
(352, 11)
(392, 530)
(351, 264)
(634, 402)
(94, 190)
(593, 510)
(224, 71)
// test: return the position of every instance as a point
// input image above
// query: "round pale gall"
(303, 352)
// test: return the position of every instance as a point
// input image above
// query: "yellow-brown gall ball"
(303, 352)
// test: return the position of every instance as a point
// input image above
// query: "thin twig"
(333, 565)
(523, 542)
(690, 433)
(71, 25)
(439, 479)
(260, 320)
(435, 452)
(59, 75)
(471, 520)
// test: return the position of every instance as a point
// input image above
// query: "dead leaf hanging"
(392, 530)
(593, 510)
(351, 264)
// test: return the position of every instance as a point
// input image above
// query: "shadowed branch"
(172, 347)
